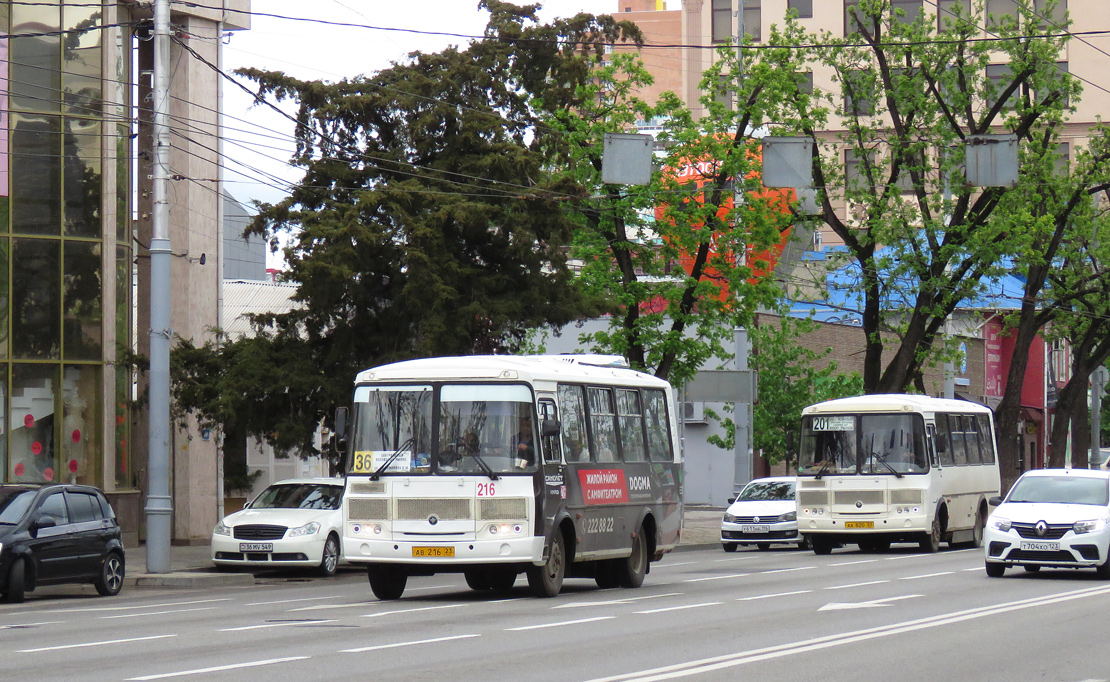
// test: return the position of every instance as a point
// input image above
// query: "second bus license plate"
(755, 529)
(1040, 546)
(859, 524)
(433, 551)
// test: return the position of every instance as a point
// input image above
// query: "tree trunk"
(1067, 405)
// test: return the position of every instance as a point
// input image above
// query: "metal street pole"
(159, 504)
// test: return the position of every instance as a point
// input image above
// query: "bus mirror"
(340, 429)
(550, 427)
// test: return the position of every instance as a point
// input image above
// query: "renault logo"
(1041, 528)
(433, 519)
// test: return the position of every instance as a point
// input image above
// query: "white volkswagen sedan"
(293, 523)
(763, 513)
(1059, 518)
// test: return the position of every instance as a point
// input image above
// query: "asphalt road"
(704, 615)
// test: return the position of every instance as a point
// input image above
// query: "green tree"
(427, 222)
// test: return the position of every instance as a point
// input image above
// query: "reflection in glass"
(31, 424)
(82, 177)
(81, 57)
(124, 475)
(36, 297)
(37, 187)
(83, 309)
(80, 450)
(5, 248)
(123, 184)
(603, 427)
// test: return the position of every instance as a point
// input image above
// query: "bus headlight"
(505, 529)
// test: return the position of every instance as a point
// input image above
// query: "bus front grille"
(368, 509)
(421, 508)
(906, 496)
(503, 509)
(367, 487)
(851, 497)
(813, 498)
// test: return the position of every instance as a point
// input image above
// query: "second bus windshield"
(862, 444)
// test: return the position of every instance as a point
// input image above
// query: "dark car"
(54, 534)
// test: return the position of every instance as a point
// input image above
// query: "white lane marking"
(853, 563)
(705, 665)
(974, 568)
(277, 625)
(903, 556)
(290, 601)
(717, 577)
(610, 602)
(788, 570)
(135, 607)
(87, 644)
(400, 644)
(874, 603)
(680, 563)
(926, 575)
(16, 626)
(321, 607)
(684, 606)
(779, 594)
(844, 587)
(735, 558)
(422, 608)
(561, 623)
(432, 587)
(218, 668)
(155, 613)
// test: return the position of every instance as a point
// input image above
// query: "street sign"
(722, 386)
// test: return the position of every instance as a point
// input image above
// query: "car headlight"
(307, 529)
(789, 516)
(1090, 526)
(729, 518)
(999, 523)
(221, 529)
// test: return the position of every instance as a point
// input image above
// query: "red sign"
(603, 486)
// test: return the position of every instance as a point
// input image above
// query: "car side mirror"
(44, 521)
(994, 501)
(732, 499)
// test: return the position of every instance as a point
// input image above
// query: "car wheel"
(329, 561)
(763, 546)
(1103, 569)
(110, 581)
(995, 570)
(803, 543)
(631, 571)
(729, 546)
(387, 582)
(16, 582)
(930, 542)
(1029, 568)
(547, 580)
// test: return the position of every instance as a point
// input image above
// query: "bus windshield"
(867, 444)
(478, 429)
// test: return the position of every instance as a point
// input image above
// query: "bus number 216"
(485, 489)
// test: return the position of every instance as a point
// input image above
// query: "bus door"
(554, 493)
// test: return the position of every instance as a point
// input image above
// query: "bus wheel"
(387, 582)
(821, 547)
(547, 580)
(631, 571)
(501, 580)
(930, 542)
(606, 574)
(977, 531)
(477, 579)
(995, 570)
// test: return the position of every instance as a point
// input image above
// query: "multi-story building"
(73, 236)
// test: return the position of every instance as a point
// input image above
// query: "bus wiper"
(882, 460)
(823, 469)
(485, 467)
(396, 453)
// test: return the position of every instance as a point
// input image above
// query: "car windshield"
(14, 504)
(1061, 490)
(299, 496)
(767, 490)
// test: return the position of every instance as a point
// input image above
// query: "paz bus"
(877, 469)
(492, 466)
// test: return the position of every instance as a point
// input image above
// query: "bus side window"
(572, 407)
(658, 431)
(958, 439)
(971, 434)
(603, 424)
(930, 440)
(552, 449)
(986, 438)
(944, 449)
(631, 419)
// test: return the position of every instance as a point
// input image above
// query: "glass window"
(5, 248)
(14, 504)
(852, 17)
(572, 407)
(299, 496)
(953, 14)
(81, 79)
(906, 11)
(31, 425)
(753, 19)
(971, 438)
(1060, 490)
(603, 427)
(859, 93)
(388, 421)
(552, 450)
(83, 507)
(767, 490)
(36, 297)
(35, 59)
(658, 431)
(998, 10)
(83, 315)
(803, 7)
(81, 424)
(957, 438)
(124, 472)
(37, 187)
(55, 505)
(855, 169)
(986, 438)
(82, 187)
(722, 25)
(944, 442)
(828, 445)
(631, 420)
(484, 429)
(805, 81)
(892, 443)
(1053, 18)
(999, 78)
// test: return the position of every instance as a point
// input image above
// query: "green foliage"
(241, 482)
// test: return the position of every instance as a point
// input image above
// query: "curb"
(189, 579)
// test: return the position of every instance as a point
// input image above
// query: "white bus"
(878, 469)
(554, 466)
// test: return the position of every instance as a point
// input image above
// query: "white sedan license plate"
(755, 529)
(256, 546)
(1041, 546)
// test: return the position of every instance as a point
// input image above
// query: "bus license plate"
(755, 529)
(433, 551)
(859, 524)
(1041, 546)
(256, 546)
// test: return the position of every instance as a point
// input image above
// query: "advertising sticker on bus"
(603, 486)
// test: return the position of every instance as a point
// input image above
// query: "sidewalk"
(191, 565)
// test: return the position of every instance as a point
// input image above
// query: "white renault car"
(1059, 518)
(292, 523)
(764, 512)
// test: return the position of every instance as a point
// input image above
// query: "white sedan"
(763, 513)
(1058, 518)
(293, 523)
